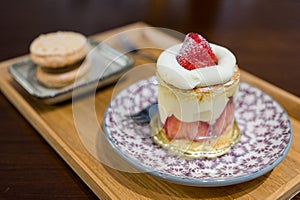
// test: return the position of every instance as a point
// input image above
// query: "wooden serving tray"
(80, 146)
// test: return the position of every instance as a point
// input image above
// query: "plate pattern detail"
(266, 137)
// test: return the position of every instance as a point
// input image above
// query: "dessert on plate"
(60, 58)
(198, 82)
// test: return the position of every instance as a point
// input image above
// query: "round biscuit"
(58, 49)
(58, 80)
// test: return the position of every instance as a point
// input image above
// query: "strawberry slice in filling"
(199, 131)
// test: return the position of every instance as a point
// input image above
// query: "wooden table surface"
(264, 35)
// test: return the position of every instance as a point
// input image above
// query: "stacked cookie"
(60, 58)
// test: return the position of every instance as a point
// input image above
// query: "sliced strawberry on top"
(194, 131)
(196, 53)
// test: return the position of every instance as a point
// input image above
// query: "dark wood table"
(264, 35)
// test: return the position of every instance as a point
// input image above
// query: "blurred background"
(263, 34)
(248, 27)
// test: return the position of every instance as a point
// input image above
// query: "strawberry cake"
(198, 82)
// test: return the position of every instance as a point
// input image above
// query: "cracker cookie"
(57, 78)
(58, 49)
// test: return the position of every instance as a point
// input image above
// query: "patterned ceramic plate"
(266, 137)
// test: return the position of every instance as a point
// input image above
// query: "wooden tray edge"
(289, 102)
(52, 139)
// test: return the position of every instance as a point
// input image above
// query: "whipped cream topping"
(173, 73)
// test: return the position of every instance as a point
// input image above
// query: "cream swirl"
(173, 73)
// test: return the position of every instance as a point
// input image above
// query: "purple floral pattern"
(265, 139)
